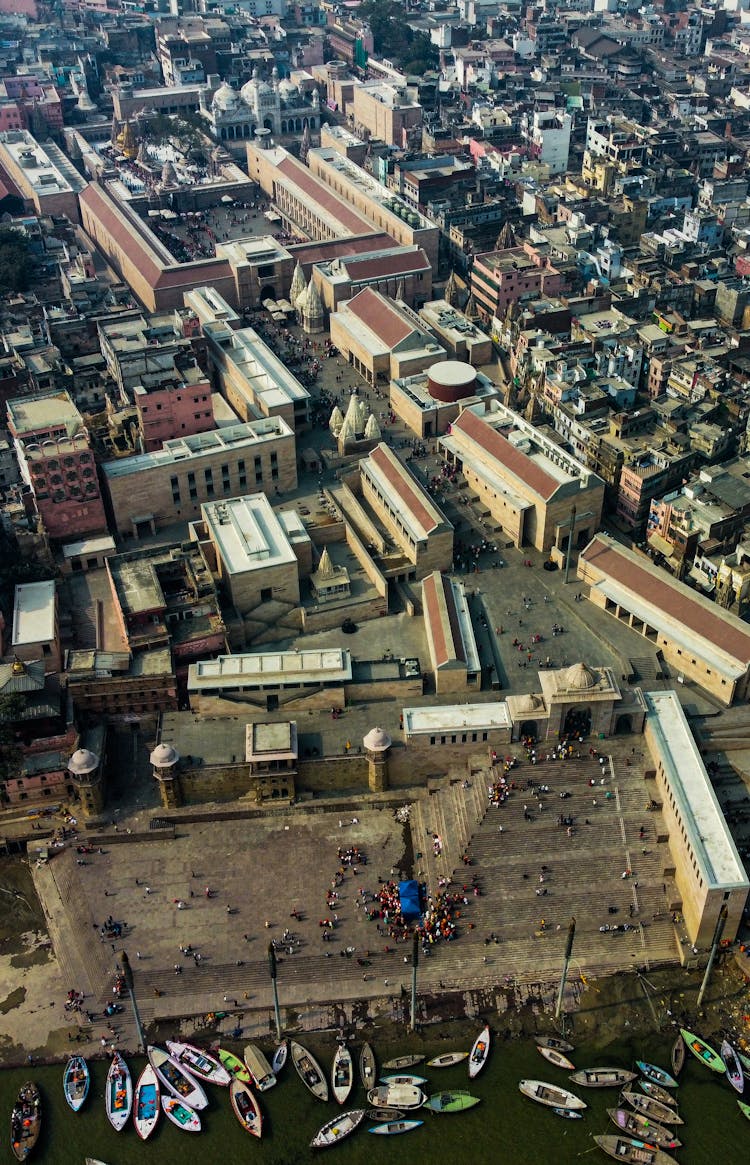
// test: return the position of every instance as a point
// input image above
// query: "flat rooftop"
(41, 413)
(200, 445)
(247, 534)
(455, 718)
(273, 669)
(699, 810)
(45, 168)
(34, 613)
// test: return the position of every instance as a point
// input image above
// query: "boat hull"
(631, 1149)
(309, 1071)
(678, 1055)
(183, 1117)
(654, 1109)
(367, 1066)
(118, 1093)
(399, 1096)
(234, 1065)
(338, 1129)
(451, 1102)
(479, 1053)
(447, 1060)
(703, 1051)
(735, 1075)
(602, 1077)
(558, 1059)
(25, 1121)
(199, 1063)
(656, 1075)
(637, 1124)
(393, 1128)
(402, 1062)
(342, 1074)
(76, 1080)
(658, 1093)
(246, 1108)
(550, 1094)
(176, 1079)
(279, 1058)
(146, 1103)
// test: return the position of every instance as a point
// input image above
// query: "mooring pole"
(720, 923)
(569, 554)
(414, 965)
(127, 974)
(272, 971)
(566, 964)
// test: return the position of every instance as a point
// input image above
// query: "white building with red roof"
(383, 340)
(528, 483)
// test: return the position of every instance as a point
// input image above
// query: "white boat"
(181, 1114)
(337, 1129)
(479, 1052)
(259, 1068)
(552, 1056)
(199, 1063)
(447, 1060)
(246, 1108)
(118, 1094)
(734, 1072)
(550, 1094)
(403, 1096)
(415, 1081)
(279, 1058)
(146, 1103)
(309, 1071)
(76, 1080)
(392, 1128)
(342, 1074)
(176, 1079)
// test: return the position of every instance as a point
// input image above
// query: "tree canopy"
(15, 261)
(394, 39)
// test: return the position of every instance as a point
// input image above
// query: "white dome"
(163, 756)
(377, 740)
(83, 761)
(288, 90)
(225, 98)
(580, 677)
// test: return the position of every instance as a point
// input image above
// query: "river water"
(506, 1129)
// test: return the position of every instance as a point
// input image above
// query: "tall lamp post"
(414, 965)
(720, 923)
(272, 972)
(127, 974)
(566, 964)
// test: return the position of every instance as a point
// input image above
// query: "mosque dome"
(288, 91)
(82, 762)
(580, 678)
(163, 756)
(529, 703)
(377, 740)
(225, 98)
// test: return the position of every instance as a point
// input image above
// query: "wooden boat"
(552, 1056)
(744, 1108)
(25, 1121)
(656, 1075)
(550, 1095)
(367, 1066)
(393, 1128)
(678, 1054)
(653, 1109)
(342, 1073)
(260, 1070)
(234, 1065)
(199, 1063)
(278, 1060)
(402, 1062)
(735, 1075)
(146, 1103)
(627, 1149)
(406, 1079)
(403, 1096)
(639, 1125)
(179, 1114)
(94, 1161)
(309, 1071)
(602, 1077)
(568, 1114)
(76, 1080)
(118, 1093)
(176, 1079)
(703, 1051)
(447, 1060)
(337, 1129)
(744, 1060)
(658, 1093)
(479, 1052)
(246, 1107)
(554, 1042)
(451, 1102)
(384, 1114)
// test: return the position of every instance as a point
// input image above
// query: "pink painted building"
(174, 408)
(56, 459)
(515, 273)
(20, 94)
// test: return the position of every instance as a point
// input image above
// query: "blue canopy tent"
(408, 893)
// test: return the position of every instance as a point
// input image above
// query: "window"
(266, 594)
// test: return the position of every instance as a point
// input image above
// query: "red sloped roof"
(406, 488)
(322, 196)
(682, 604)
(382, 266)
(380, 316)
(441, 617)
(499, 447)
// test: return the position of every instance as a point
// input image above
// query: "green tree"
(11, 710)
(395, 39)
(15, 261)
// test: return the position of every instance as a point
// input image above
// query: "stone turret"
(336, 421)
(85, 771)
(165, 767)
(313, 316)
(377, 746)
(372, 429)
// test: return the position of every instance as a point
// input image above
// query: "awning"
(408, 893)
(658, 543)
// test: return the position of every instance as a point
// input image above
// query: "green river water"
(506, 1129)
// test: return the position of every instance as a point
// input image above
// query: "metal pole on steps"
(720, 923)
(414, 965)
(272, 970)
(566, 964)
(127, 974)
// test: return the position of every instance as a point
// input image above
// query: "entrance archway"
(624, 725)
(528, 728)
(578, 721)
(267, 292)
